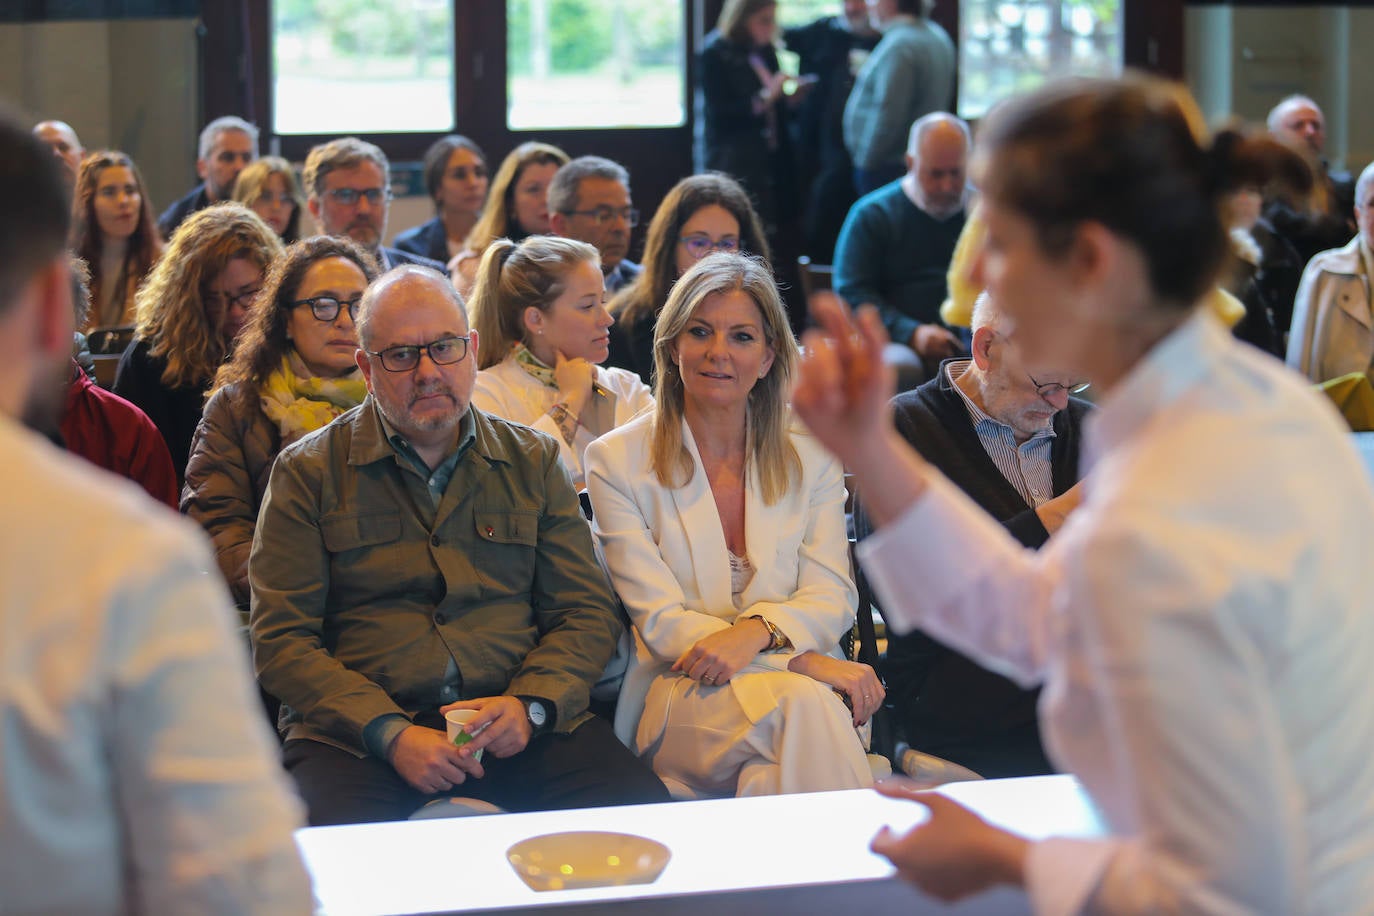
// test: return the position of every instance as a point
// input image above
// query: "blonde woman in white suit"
(722, 528)
(539, 309)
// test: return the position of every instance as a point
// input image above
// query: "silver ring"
(709, 678)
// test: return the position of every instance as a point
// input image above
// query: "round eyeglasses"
(442, 352)
(326, 308)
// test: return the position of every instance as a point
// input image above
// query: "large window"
(1009, 46)
(595, 63)
(362, 66)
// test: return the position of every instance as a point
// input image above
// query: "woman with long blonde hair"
(540, 314)
(189, 313)
(115, 232)
(517, 207)
(722, 528)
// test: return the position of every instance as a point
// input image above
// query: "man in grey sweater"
(909, 74)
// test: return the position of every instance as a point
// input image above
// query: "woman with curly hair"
(115, 232)
(269, 188)
(293, 371)
(701, 214)
(517, 207)
(189, 313)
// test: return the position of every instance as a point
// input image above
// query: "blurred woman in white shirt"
(1202, 623)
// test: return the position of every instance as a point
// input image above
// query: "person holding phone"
(539, 308)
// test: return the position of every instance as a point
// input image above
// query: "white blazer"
(666, 555)
(1333, 328)
(508, 391)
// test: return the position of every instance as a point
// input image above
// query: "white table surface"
(777, 852)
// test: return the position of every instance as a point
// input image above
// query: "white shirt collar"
(1170, 368)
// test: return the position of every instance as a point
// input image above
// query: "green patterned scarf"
(533, 365)
(300, 403)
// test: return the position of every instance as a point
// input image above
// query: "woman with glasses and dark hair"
(539, 311)
(294, 370)
(456, 179)
(701, 214)
(190, 312)
(1202, 623)
(115, 232)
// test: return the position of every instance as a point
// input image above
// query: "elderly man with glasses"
(589, 200)
(416, 557)
(1009, 435)
(349, 186)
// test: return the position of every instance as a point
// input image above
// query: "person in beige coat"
(723, 532)
(292, 373)
(1333, 325)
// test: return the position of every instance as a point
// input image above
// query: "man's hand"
(502, 726)
(715, 659)
(935, 343)
(1055, 512)
(426, 760)
(955, 853)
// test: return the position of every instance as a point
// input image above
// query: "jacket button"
(435, 540)
(440, 619)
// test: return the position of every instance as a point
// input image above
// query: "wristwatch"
(537, 714)
(776, 640)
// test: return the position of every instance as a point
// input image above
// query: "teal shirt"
(893, 255)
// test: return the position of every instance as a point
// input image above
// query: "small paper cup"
(457, 719)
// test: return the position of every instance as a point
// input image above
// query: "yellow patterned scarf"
(300, 403)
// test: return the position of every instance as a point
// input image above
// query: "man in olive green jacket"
(418, 556)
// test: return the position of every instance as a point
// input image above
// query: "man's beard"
(406, 423)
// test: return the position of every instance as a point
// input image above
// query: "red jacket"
(108, 431)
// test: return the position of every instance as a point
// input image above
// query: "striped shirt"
(1026, 466)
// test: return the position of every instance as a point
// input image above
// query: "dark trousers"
(589, 768)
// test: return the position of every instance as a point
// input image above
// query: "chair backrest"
(814, 277)
(105, 366)
(865, 650)
(109, 340)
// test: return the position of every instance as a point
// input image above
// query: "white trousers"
(702, 743)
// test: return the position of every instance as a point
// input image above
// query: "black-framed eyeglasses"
(699, 244)
(1047, 389)
(243, 299)
(603, 215)
(349, 197)
(326, 308)
(442, 352)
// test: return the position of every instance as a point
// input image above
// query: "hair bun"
(1222, 171)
